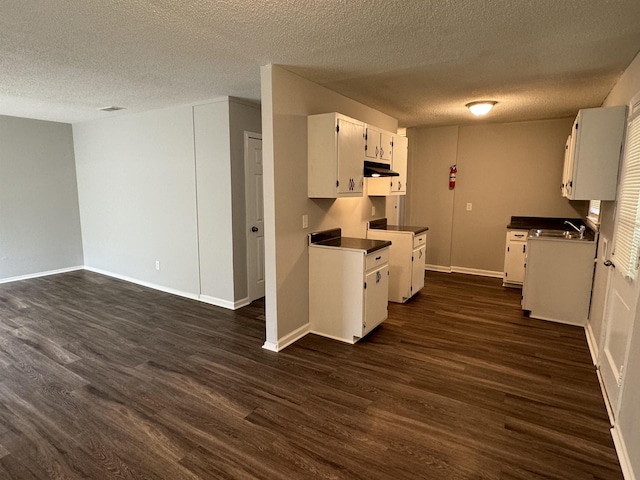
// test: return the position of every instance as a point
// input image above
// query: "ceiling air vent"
(112, 108)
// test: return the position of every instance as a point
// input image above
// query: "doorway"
(254, 201)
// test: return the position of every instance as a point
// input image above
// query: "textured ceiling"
(419, 61)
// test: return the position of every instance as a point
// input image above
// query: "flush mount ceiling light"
(482, 107)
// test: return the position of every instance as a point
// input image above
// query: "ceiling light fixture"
(482, 107)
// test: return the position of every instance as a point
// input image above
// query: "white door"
(254, 214)
(620, 312)
(624, 286)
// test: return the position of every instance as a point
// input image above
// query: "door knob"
(609, 263)
(254, 229)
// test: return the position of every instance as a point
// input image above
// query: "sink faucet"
(581, 229)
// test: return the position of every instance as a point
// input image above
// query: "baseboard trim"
(41, 274)
(623, 454)
(465, 270)
(219, 302)
(476, 271)
(287, 340)
(591, 342)
(437, 268)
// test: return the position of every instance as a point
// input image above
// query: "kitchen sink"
(569, 234)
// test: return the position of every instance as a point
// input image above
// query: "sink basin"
(554, 233)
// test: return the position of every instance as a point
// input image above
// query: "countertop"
(381, 224)
(334, 239)
(552, 223)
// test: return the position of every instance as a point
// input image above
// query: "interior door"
(254, 214)
(622, 298)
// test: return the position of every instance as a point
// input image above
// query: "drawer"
(419, 240)
(518, 235)
(376, 259)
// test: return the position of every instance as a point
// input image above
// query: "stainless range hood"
(375, 169)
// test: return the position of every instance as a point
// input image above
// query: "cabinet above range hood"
(376, 169)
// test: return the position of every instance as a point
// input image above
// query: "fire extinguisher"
(452, 177)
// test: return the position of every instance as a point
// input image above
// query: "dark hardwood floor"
(105, 379)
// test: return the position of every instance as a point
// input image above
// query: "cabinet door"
(350, 166)
(400, 153)
(386, 146)
(567, 167)
(376, 298)
(417, 270)
(516, 252)
(372, 143)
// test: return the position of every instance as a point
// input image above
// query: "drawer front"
(419, 240)
(518, 235)
(376, 259)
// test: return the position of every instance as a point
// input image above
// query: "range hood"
(375, 169)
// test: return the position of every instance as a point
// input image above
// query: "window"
(594, 212)
(627, 233)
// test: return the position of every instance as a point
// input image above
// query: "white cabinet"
(348, 291)
(378, 144)
(335, 160)
(515, 258)
(407, 255)
(557, 284)
(387, 186)
(592, 154)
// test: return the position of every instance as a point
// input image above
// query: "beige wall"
(287, 99)
(503, 170)
(628, 422)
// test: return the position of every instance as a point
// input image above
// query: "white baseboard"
(475, 271)
(219, 302)
(41, 274)
(437, 268)
(623, 454)
(465, 270)
(591, 342)
(287, 340)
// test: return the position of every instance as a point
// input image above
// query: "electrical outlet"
(469, 207)
(305, 221)
(157, 264)
(373, 211)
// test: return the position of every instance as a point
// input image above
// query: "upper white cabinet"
(592, 154)
(386, 186)
(378, 144)
(335, 160)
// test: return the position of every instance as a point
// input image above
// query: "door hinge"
(337, 183)
(620, 375)
(337, 128)
(506, 274)
(508, 249)
(576, 126)
(365, 285)
(524, 248)
(365, 148)
(412, 258)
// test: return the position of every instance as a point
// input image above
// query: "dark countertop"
(553, 223)
(381, 224)
(334, 238)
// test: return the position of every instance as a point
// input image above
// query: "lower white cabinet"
(558, 279)
(348, 291)
(515, 253)
(407, 255)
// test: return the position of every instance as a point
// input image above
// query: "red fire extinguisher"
(452, 177)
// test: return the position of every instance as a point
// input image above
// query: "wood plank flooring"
(103, 379)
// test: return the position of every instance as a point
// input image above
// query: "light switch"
(305, 221)
(469, 206)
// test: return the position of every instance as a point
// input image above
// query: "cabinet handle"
(376, 152)
(519, 235)
(399, 185)
(381, 152)
(609, 263)
(378, 258)
(378, 277)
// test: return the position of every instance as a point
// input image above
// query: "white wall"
(287, 99)
(136, 184)
(39, 217)
(219, 150)
(628, 422)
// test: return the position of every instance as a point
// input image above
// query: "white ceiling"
(417, 60)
